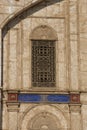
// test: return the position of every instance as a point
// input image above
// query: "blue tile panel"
(58, 98)
(51, 98)
(29, 97)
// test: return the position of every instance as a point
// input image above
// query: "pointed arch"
(22, 13)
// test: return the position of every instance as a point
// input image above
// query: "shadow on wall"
(27, 12)
(1, 108)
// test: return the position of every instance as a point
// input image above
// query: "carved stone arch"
(43, 32)
(19, 12)
(22, 13)
(49, 110)
(44, 121)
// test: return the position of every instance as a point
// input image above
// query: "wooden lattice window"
(43, 63)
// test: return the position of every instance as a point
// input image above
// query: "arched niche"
(43, 121)
(43, 117)
(43, 46)
(22, 15)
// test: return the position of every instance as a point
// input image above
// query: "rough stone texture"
(18, 20)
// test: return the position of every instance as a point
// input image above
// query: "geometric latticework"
(43, 63)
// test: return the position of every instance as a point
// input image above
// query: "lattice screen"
(43, 63)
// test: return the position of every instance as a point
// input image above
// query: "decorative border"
(44, 98)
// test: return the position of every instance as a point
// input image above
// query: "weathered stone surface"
(68, 19)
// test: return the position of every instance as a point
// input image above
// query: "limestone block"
(61, 37)
(76, 121)
(75, 116)
(83, 98)
(60, 24)
(83, 43)
(83, 24)
(12, 117)
(40, 10)
(8, 9)
(83, 65)
(83, 7)
(73, 24)
(13, 53)
(26, 24)
(27, 1)
(73, 6)
(3, 17)
(83, 56)
(13, 36)
(83, 80)
(84, 117)
(62, 76)
(74, 53)
(73, 37)
(4, 117)
(26, 81)
(5, 62)
(37, 22)
(61, 55)
(74, 78)
(12, 75)
(55, 9)
(12, 2)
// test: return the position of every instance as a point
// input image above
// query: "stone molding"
(13, 107)
(76, 108)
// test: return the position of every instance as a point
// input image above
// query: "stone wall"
(18, 19)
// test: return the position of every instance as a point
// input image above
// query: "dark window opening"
(43, 63)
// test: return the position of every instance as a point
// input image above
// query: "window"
(43, 63)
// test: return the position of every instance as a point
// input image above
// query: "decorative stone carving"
(41, 116)
(43, 32)
(43, 121)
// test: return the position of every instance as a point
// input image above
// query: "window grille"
(43, 63)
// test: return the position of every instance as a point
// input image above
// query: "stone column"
(74, 25)
(13, 109)
(75, 119)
